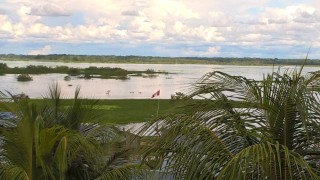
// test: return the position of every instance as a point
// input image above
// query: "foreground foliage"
(50, 141)
(243, 129)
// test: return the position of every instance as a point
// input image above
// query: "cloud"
(3, 11)
(188, 50)
(130, 13)
(220, 19)
(49, 9)
(209, 52)
(308, 17)
(277, 21)
(42, 51)
(213, 50)
(212, 24)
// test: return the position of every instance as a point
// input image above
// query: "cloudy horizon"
(205, 28)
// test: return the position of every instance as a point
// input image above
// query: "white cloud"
(220, 19)
(23, 13)
(213, 50)
(278, 21)
(248, 23)
(130, 13)
(6, 25)
(42, 51)
(49, 9)
(3, 11)
(308, 17)
(210, 52)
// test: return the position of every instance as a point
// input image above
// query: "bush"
(3, 66)
(150, 71)
(178, 95)
(24, 77)
(87, 76)
(73, 72)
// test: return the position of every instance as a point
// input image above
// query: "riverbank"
(124, 111)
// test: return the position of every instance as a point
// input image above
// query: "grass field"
(123, 111)
(133, 110)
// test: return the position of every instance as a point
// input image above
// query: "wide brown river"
(179, 79)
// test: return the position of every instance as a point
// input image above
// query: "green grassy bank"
(123, 111)
(133, 110)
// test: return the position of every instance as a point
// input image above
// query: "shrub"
(3, 66)
(24, 77)
(87, 76)
(150, 71)
(73, 72)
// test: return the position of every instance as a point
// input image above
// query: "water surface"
(134, 88)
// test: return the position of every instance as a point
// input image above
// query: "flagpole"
(158, 108)
(157, 125)
(155, 95)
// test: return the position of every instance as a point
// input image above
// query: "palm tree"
(110, 158)
(237, 128)
(52, 139)
(31, 151)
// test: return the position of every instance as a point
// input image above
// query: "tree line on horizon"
(159, 60)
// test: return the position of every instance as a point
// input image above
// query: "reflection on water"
(133, 88)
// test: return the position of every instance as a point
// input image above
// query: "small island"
(85, 73)
(24, 77)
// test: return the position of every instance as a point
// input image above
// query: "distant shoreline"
(158, 60)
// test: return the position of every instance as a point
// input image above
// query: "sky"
(184, 28)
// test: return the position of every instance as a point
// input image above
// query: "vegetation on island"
(87, 73)
(24, 77)
(246, 61)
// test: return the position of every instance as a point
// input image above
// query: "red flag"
(156, 94)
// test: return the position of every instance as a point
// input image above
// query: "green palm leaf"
(236, 128)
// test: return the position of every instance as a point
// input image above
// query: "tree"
(110, 158)
(236, 128)
(3, 66)
(32, 151)
(54, 140)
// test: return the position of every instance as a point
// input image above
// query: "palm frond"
(265, 161)
(231, 125)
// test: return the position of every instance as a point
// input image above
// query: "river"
(179, 79)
